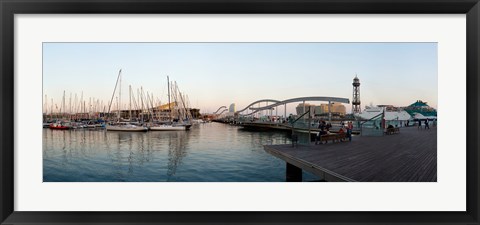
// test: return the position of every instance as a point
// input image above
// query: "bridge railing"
(372, 127)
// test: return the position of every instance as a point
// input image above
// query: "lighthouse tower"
(356, 96)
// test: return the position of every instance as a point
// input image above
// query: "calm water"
(208, 152)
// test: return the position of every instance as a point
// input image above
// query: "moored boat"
(60, 126)
(124, 126)
(187, 125)
(77, 125)
(90, 124)
(167, 127)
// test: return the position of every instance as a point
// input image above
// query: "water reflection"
(208, 152)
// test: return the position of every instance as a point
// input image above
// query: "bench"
(333, 137)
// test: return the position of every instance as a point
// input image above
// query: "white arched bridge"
(244, 116)
(257, 102)
(276, 103)
(221, 107)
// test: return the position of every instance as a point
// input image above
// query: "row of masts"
(78, 106)
(142, 107)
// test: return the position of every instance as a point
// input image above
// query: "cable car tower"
(356, 95)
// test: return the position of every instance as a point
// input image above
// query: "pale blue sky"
(217, 74)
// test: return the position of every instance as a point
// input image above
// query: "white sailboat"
(167, 127)
(170, 126)
(125, 126)
(122, 126)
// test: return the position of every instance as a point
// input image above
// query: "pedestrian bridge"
(276, 103)
(221, 107)
(257, 102)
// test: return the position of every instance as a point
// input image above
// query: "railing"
(294, 136)
(372, 126)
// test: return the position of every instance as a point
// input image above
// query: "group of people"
(322, 125)
(325, 128)
(347, 129)
(426, 124)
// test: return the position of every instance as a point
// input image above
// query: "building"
(335, 107)
(232, 108)
(300, 108)
(422, 108)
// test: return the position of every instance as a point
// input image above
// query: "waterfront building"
(302, 108)
(335, 108)
(422, 108)
(232, 108)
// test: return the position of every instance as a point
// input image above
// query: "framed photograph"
(243, 112)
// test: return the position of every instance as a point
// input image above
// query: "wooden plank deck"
(284, 126)
(410, 156)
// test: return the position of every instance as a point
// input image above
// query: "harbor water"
(210, 152)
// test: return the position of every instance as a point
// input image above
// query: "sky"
(218, 74)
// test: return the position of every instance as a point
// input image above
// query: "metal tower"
(356, 96)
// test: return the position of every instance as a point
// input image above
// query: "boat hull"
(167, 128)
(58, 127)
(130, 129)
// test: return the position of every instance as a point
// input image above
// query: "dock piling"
(293, 174)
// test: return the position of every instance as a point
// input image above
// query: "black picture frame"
(9, 8)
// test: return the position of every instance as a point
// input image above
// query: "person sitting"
(341, 132)
(323, 132)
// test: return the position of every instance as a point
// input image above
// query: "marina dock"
(259, 125)
(409, 156)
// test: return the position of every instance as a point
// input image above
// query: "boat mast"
(46, 108)
(63, 106)
(140, 106)
(113, 94)
(89, 108)
(169, 107)
(130, 107)
(81, 103)
(120, 100)
(70, 106)
(143, 105)
(51, 110)
(183, 103)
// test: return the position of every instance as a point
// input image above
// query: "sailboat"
(62, 124)
(125, 126)
(118, 125)
(167, 127)
(183, 112)
(170, 126)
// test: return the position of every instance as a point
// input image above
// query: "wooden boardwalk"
(283, 126)
(410, 156)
